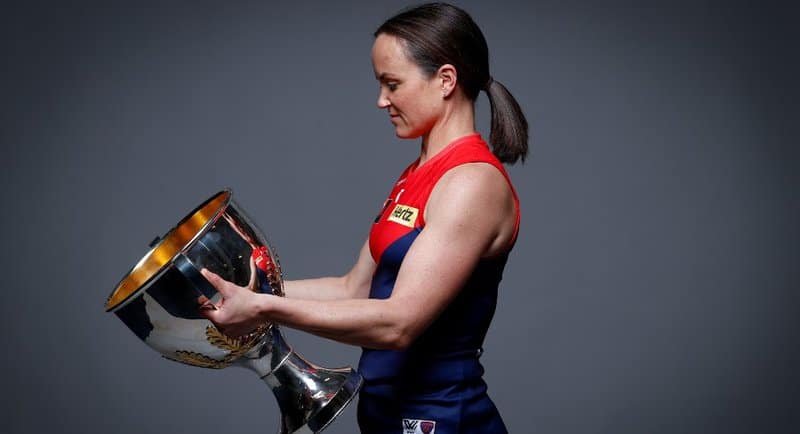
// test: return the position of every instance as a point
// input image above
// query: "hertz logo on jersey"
(404, 214)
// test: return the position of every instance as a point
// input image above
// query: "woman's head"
(414, 99)
(438, 34)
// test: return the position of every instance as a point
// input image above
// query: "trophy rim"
(128, 287)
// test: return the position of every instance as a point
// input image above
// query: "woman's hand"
(237, 313)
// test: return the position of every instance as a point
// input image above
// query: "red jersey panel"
(404, 209)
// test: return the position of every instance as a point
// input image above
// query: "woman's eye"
(391, 86)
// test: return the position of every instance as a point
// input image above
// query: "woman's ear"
(448, 77)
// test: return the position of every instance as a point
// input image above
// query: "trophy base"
(310, 397)
(337, 404)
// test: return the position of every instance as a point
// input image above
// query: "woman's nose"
(383, 102)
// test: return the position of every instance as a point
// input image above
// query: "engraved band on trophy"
(157, 300)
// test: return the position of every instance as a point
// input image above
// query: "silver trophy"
(158, 301)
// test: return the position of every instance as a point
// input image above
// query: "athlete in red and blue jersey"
(423, 291)
(438, 378)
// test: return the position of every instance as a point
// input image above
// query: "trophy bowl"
(158, 300)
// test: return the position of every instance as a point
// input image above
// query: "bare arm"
(470, 215)
(354, 284)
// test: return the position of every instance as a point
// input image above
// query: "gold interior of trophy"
(167, 248)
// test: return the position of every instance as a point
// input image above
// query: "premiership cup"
(158, 300)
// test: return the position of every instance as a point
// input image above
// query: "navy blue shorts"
(457, 409)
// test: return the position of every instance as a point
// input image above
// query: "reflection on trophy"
(158, 301)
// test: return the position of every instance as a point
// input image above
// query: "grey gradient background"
(654, 287)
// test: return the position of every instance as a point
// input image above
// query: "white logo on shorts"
(418, 426)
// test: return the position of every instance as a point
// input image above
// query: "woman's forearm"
(363, 322)
(323, 288)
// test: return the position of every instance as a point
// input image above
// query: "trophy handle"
(310, 397)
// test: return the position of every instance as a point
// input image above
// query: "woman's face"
(413, 100)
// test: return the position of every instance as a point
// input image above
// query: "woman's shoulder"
(471, 148)
(471, 165)
(477, 177)
(476, 198)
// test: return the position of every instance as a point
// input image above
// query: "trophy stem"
(310, 397)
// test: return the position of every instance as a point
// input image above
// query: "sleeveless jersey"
(438, 378)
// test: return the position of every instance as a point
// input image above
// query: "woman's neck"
(458, 121)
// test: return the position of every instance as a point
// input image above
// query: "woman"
(423, 291)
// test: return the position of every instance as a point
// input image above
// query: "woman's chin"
(403, 133)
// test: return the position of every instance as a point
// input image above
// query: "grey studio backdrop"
(654, 285)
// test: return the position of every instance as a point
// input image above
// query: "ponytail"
(509, 129)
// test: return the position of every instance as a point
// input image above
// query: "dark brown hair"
(438, 33)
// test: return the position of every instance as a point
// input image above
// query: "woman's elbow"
(398, 338)
(396, 329)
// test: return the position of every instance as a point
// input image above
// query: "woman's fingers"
(220, 284)
(208, 309)
(231, 314)
(222, 313)
(205, 303)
